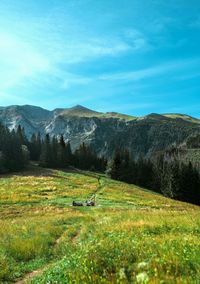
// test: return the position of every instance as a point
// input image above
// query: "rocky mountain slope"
(104, 131)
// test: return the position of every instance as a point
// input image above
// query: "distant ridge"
(105, 132)
(81, 111)
(182, 116)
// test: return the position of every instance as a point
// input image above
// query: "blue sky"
(134, 57)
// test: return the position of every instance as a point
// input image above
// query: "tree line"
(56, 153)
(16, 151)
(14, 155)
(165, 174)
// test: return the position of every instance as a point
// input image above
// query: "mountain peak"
(79, 110)
(79, 107)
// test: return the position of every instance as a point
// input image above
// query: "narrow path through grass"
(29, 276)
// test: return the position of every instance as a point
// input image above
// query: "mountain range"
(104, 131)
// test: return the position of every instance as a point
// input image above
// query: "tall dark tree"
(54, 153)
(46, 158)
(12, 154)
(190, 184)
(62, 153)
(85, 158)
(21, 135)
(34, 147)
(69, 156)
(116, 167)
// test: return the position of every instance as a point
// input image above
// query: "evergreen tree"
(46, 158)
(54, 153)
(62, 153)
(12, 154)
(165, 175)
(34, 146)
(69, 156)
(21, 135)
(116, 166)
(190, 184)
(85, 158)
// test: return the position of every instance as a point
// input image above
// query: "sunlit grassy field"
(131, 236)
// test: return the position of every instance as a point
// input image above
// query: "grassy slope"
(98, 114)
(80, 111)
(182, 116)
(132, 236)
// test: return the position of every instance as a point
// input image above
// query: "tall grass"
(131, 236)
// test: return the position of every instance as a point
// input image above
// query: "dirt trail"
(31, 275)
(75, 238)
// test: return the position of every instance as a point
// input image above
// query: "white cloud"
(76, 52)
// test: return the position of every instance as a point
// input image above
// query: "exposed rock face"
(103, 131)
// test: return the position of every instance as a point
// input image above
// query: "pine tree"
(62, 156)
(69, 156)
(190, 184)
(116, 166)
(54, 153)
(46, 158)
(12, 150)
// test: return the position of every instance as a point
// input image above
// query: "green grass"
(182, 116)
(100, 115)
(131, 236)
(80, 111)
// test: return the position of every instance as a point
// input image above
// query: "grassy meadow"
(131, 236)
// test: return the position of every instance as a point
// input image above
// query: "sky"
(129, 56)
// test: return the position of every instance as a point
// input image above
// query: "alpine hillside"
(104, 131)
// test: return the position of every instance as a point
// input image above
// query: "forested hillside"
(166, 173)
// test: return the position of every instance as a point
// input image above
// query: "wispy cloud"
(23, 59)
(42, 50)
(157, 70)
(67, 79)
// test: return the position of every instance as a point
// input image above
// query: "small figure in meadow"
(77, 203)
